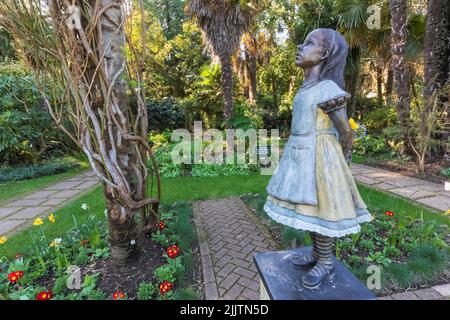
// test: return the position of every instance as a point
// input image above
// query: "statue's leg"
(306, 260)
(324, 266)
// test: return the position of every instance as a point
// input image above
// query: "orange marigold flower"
(165, 287)
(118, 295)
(14, 276)
(44, 295)
(389, 213)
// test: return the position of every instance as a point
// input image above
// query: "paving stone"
(26, 202)
(412, 193)
(405, 296)
(40, 194)
(4, 212)
(365, 180)
(444, 289)
(228, 282)
(65, 185)
(7, 226)
(87, 185)
(54, 201)
(440, 202)
(428, 294)
(250, 294)
(234, 292)
(66, 194)
(384, 186)
(29, 213)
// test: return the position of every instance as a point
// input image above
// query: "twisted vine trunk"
(399, 65)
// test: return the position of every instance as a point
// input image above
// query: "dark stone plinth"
(283, 281)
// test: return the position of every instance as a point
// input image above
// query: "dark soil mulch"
(432, 171)
(127, 278)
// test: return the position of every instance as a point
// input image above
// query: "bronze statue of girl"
(312, 188)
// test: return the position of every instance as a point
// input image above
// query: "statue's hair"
(333, 68)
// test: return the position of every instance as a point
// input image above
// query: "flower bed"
(411, 253)
(76, 266)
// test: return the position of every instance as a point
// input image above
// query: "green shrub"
(34, 171)
(27, 131)
(165, 114)
(146, 291)
(370, 145)
(379, 119)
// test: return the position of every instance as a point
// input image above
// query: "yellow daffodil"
(38, 222)
(447, 212)
(51, 218)
(3, 240)
(353, 124)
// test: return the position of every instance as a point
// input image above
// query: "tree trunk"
(227, 88)
(399, 66)
(435, 48)
(123, 231)
(251, 50)
(380, 84)
(389, 85)
(352, 78)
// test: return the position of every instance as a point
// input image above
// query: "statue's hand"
(348, 157)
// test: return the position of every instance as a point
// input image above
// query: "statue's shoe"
(303, 260)
(317, 275)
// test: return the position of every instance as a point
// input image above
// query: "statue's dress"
(312, 188)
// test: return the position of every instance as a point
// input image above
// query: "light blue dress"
(312, 188)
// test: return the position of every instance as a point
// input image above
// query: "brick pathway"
(19, 213)
(229, 236)
(423, 192)
(441, 292)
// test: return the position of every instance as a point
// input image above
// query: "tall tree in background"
(223, 23)
(78, 50)
(437, 52)
(169, 13)
(436, 47)
(399, 65)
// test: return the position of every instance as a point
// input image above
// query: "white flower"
(58, 240)
(84, 206)
(133, 242)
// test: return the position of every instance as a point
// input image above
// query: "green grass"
(14, 189)
(193, 188)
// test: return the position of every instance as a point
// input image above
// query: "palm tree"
(437, 55)
(399, 65)
(223, 22)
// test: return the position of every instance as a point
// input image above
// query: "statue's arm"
(340, 121)
(337, 111)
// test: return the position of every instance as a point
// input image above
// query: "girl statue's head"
(325, 48)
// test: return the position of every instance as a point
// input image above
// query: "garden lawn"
(195, 188)
(15, 189)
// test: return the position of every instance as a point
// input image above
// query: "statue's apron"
(294, 179)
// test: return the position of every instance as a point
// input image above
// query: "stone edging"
(210, 286)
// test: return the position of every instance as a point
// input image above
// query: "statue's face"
(312, 51)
